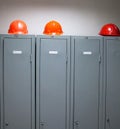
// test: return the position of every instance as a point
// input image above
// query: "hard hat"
(53, 28)
(109, 30)
(18, 27)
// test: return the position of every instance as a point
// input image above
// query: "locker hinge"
(99, 58)
(30, 58)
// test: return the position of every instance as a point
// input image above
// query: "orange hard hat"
(109, 30)
(18, 27)
(53, 27)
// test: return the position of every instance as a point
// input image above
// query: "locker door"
(17, 84)
(86, 83)
(1, 81)
(53, 84)
(113, 84)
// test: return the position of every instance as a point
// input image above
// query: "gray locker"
(112, 82)
(17, 81)
(53, 73)
(0, 79)
(86, 72)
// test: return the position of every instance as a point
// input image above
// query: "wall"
(77, 17)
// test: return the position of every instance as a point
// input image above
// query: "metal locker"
(0, 81)
(18, 85)
(112, 82)
(86, 62)
(53, 74)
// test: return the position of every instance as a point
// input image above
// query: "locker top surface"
(59, 36)
(16, 36)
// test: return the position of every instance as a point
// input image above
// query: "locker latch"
(99, 58)
(76, 123)
(6, 124)
(108, 120)
(42, 123)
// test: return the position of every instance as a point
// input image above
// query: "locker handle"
(108, 120)
(42, 123)
(6, 124)
(76, 123)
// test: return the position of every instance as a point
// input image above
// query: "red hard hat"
(109, 30)
(53, 27)
(18, 27)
